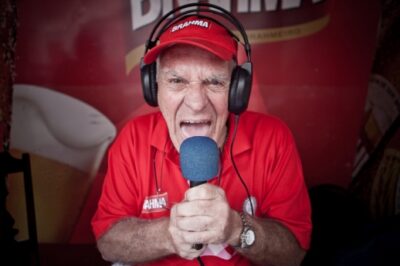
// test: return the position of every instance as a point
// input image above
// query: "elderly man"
(148, 214)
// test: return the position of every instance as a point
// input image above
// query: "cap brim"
(210, 46)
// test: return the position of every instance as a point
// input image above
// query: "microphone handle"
(197, 183)
(197, 246)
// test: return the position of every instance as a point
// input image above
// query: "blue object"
(199, 159)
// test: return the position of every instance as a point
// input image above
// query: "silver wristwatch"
(247, 237)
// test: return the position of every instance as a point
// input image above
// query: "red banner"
(312, 61)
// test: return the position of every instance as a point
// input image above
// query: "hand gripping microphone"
(199, 160)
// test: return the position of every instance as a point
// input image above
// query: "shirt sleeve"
(287, 199)
(119, 193)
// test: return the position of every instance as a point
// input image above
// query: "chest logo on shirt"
(155, 203)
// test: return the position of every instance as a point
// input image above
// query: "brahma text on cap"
(197, 22)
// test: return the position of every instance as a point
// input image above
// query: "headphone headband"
(198, 8)
(241, 77)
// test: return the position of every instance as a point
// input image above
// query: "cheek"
(220, 107)
(165, 105)
(168, 104)
(220, 104)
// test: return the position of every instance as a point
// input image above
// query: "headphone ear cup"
(149, 83)
(240, 88)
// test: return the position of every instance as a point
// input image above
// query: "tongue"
(190, 130)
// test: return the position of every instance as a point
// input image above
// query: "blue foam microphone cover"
(199, 159)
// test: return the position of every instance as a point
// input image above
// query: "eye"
(176, 80)
(215, 84)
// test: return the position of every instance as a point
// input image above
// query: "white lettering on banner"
(157, 8)
(271, 5)
(255, 6)
(222, 3)
(138, 18)
(184, 2)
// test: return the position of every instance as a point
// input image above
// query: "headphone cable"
(234, 164)
(201, 263)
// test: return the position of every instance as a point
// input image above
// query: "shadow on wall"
(343, 233)
(67, 140)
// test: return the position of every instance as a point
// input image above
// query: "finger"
(173, 215)
(194, 208)
(204, 237)
(194, 223)
(204, 192)
(188, 252)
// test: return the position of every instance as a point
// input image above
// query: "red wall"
(316, 83)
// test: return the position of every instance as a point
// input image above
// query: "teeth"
(192, 128)
(195, 122)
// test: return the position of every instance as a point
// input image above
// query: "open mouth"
(195, 128)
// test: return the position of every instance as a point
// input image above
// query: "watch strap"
(245, 228)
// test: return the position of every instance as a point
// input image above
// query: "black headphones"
(241, 78)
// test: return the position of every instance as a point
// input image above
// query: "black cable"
(235, 167)
(201, 263)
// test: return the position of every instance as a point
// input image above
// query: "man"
(148, 214)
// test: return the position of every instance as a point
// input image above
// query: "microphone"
(199, 160)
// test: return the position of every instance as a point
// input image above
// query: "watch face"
(250, 237)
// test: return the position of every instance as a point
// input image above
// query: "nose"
(196, 97)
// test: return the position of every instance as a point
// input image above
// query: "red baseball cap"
(197, 31)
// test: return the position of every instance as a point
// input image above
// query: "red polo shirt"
(143, 159)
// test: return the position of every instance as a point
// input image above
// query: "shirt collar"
(160, 139)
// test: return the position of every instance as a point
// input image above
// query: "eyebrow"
(171, 72)
(219, 77)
